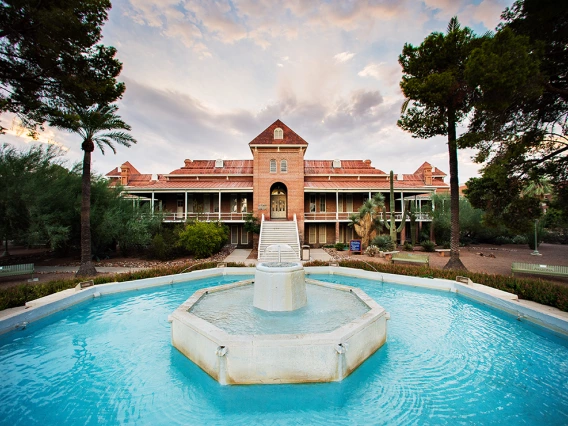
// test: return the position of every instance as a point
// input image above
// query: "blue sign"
(355, 246)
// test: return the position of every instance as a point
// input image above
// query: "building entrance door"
(278, 202)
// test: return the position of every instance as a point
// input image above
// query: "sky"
(204, 78)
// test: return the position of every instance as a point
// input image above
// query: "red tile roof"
(193, 184)
(115, 172)
(352, 167)
(267, 136)
(207, 167)
(435, 172)
(366, 185)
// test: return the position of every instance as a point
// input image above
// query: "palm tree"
(101, 126)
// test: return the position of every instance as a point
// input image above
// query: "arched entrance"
(278, 201)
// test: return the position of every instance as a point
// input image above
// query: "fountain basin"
(278, 358)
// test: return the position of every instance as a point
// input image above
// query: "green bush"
(520, 239)
(340, 247)
(384, 243)
(204, 238)
(408, 246)
(428, 245)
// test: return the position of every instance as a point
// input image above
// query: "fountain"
(279, 328)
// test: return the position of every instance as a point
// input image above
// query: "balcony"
(206, 217)
(344, 216)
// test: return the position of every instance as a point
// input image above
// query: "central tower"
(278, 180)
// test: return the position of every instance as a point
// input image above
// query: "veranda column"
(403, 219)
(219, 206)
(336, 216)
(185, 208)
(152, 203)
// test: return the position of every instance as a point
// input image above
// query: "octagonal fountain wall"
(261, 331)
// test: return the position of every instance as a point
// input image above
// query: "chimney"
(367, 162)
(187, 162)
(428, 175)
(124, 175)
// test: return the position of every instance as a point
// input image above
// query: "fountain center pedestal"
(279, 286)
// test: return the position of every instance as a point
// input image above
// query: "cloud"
(344, 56)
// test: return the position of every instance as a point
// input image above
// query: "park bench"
(536, 269)
(443, 252)
(12, 270)
(411, 258)
(387, 254)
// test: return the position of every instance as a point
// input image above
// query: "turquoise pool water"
(448, 360)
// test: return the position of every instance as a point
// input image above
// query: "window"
(234, 234)
(243, 205)
(190, 203)
(340, 203)
(312, 237)
(349, 199)
(244, 237)
(322, 202)
(312, 203)
(278, 133)
(272, 166)
(216, 204)
(323, 233)
(283, 166)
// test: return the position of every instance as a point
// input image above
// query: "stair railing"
(260, 236)
(297, 236)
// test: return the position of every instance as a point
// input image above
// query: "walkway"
(241, 256)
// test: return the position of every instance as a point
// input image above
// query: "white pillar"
(219, 205)
(152, 202)
(185, 208)
(337, 205)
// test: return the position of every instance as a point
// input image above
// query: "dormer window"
(218, 164)
(283, 166)
(278, 133)
(272, 166)
(336, 164)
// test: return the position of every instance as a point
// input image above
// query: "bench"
(387, 254)
(533, 268)
(411, 258)
(11, 270)
(443, 252)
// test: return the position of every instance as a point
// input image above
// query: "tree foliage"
(49, 57)
(438, 98)
(520, 122)
(368, 218)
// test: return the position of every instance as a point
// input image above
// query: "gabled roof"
(435, 172)
(349, 167)
(116, 173)
(207, 167)
(267, 136)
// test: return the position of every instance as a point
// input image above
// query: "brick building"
(278, 185)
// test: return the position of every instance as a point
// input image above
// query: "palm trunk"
(455, 261)
(87, 268)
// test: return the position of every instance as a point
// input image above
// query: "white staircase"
(279, 232)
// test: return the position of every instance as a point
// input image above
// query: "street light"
(535, 252)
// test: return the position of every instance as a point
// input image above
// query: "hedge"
(536, 290)
(20, 294)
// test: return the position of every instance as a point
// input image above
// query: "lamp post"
(535, 252)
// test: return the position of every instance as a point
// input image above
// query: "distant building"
(278, 184)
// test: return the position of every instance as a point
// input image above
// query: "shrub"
(428, 245)
(372, 251)
(383, 242)
(340, 247)
(204, 238)
(408, 246)
(520, 239)
(537, 290)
